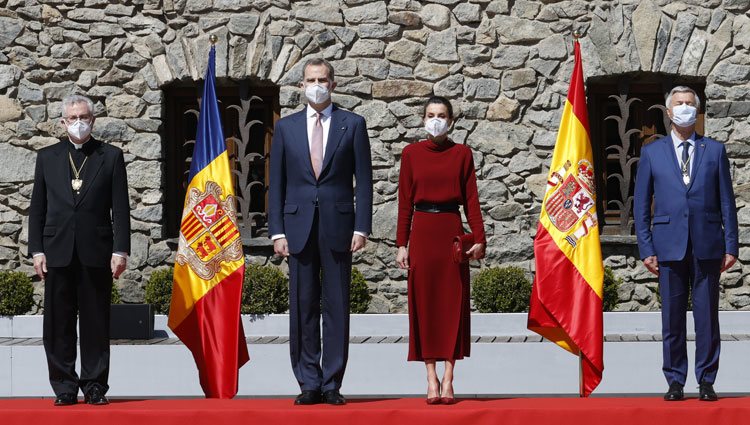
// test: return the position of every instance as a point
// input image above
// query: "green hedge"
(611, 283)
(359, 295)
(16, 293)
(116, 298)
(265, 290)
(158, 291)
(501, 290)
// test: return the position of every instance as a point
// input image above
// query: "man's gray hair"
(319, 61)
(74, 99)
(683, 89)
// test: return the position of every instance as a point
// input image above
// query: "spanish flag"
(210, 264)
(566, 298)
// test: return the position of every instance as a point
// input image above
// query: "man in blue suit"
(688, 240)
(316, 155)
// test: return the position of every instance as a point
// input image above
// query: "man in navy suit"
(688, 240)
(316, 156)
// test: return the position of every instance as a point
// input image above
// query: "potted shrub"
(16, 293)
(501, 290)
(359, 294)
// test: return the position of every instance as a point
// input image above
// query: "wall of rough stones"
(505, 64)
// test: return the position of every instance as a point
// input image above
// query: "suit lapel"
(698, 153)
(60, 170)
(335, 131)
(91, 169)
(303, 146)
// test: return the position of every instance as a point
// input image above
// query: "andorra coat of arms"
(209, 234)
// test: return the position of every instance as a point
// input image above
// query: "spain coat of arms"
(209, 233)
(571, 205)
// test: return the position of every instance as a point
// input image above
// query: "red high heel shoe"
(434, 400)
(447, 400)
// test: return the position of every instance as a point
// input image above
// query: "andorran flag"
(566, 298)
(210, 265)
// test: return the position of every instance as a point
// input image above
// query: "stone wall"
(505, 65)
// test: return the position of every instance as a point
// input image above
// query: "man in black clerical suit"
(79, 237)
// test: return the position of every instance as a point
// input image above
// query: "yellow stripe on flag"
(587, 256)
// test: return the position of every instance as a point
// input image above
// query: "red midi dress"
(438, 288)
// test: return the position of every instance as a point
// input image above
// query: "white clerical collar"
(78, 146)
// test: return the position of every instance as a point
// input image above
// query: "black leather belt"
(436, 208)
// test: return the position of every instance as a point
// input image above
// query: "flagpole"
(213, 39)
(580, 375)
(576, 36)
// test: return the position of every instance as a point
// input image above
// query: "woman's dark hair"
(441, 101)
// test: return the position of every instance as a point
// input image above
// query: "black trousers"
(316, 368)
(70, 292)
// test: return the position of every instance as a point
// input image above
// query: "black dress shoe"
(95, 396)
(308, 397)
(66, 399)
(706, 392)
(333, 397)
(674, 393)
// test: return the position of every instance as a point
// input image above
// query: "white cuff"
(363, 234)
(279, 236)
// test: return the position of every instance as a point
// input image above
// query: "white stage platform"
(507, 359)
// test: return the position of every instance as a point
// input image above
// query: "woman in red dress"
(437, 176)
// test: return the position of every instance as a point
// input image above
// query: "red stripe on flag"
(567, 303)
(577, 91)
(229, 237)
(190, 235)
(223, 228)
(191, 227)
(213, 332)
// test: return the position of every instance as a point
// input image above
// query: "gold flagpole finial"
(577, 34)
(213, 39)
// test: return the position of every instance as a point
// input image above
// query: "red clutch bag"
(461, 244)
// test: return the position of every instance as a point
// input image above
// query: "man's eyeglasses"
(72, 119)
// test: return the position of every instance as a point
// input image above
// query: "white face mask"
(684, 115)
(315, 93)
(79, 130)
(436, 126)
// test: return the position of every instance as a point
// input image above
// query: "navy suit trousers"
(675, 279)
(319, 280)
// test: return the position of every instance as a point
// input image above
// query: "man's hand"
(476, 252)
(652, 264)
(281, 247)
(728, 262)
(358, 242)
(40, 265)
(118, 264)
(402, 258)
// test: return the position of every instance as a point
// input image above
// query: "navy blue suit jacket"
(705, 209)
(294, 190)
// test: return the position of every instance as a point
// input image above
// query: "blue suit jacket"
(705, 209)
(294, 189)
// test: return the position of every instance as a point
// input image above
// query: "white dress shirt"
(677, 142)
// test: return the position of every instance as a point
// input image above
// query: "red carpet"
(410, 411)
